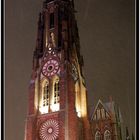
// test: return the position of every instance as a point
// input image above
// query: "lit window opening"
(103, 113)
(107, 135)
(56, 92)
(46, 95)
(44, 107)
(98, 136)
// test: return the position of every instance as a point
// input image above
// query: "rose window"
(49, 130)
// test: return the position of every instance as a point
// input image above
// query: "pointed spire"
(120, 116)
(127, 134)
(110, 99)
(111, 107)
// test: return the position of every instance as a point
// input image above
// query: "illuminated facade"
(57, 94)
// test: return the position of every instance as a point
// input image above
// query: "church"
(106, 122)
(57, 102)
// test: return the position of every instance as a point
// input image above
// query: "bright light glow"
(50, 49)
(46, 41)
(79, 114)
(44, 109)
(36, 94)
(55, 107)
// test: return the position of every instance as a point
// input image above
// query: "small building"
(106, 122)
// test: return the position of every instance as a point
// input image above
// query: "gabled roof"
(110, 106)
(106, 106)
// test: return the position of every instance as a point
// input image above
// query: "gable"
(100, 112)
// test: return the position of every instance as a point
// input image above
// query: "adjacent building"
(106, 122)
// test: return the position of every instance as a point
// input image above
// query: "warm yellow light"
(46, 41)
(79, 114)
(44, 109)
(55, 107)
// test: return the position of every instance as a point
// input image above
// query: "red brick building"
(106, 122)
(57, 94)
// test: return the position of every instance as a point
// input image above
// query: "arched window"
(46, 94)
(107, 135)
(97, 135)
(98, 114)
(103, 113)
(56, 91)
(45, 97)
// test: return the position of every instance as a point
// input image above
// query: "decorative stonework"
(49, 130)
(50, 67)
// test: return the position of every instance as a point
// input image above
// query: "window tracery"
(56, 91)
(107, 135)
(46, 94)
(97, 135)
(45, 97)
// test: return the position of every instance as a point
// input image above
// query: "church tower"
(57, 105)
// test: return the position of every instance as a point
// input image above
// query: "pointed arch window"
(103, 113)
(97, 135)
(56, 91)
(98, 114)
(107, 135)
(46, 94)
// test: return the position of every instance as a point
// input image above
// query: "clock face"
(74, 72)
(49, 130)
(51, 67)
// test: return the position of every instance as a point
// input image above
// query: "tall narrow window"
(97, 135)
(56, 91)
(98, 114)
(95, 116)
(107, 135)
(103, 113)
(46, 94)
(45, 100)
(51, 20)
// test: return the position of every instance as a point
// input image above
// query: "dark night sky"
(106, 29)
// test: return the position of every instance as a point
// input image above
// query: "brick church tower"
(57, 107)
